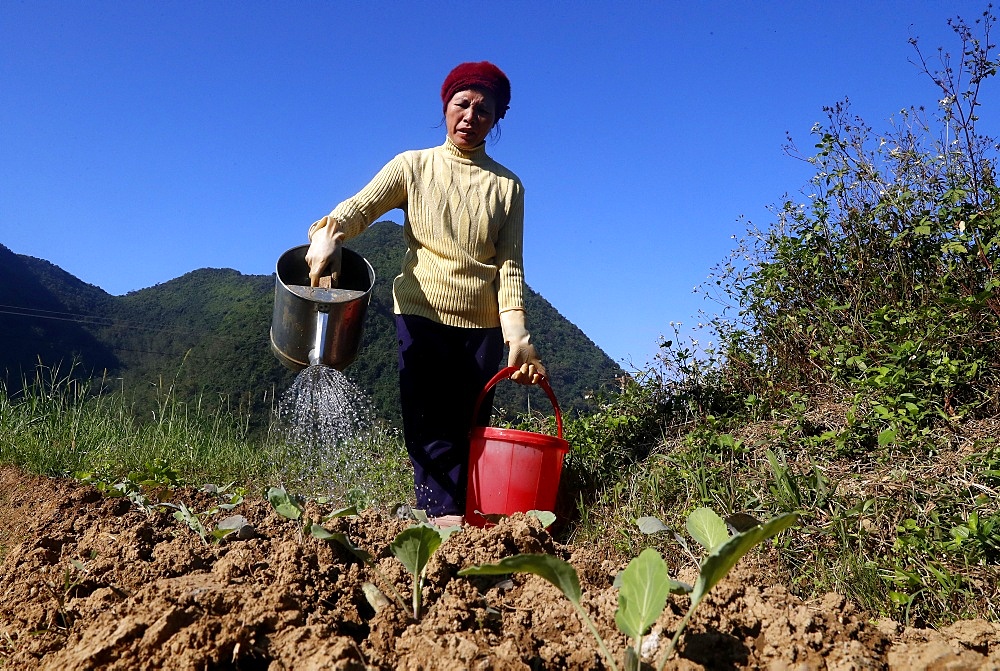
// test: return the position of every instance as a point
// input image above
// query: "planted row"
(644, 586)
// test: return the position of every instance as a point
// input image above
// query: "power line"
(94, 320)
(107, 322)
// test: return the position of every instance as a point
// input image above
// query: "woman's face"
(469, 116)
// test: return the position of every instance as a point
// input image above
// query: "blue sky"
(140, 141)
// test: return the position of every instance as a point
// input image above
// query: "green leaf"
(555, 570)
(546, 517)
(230, 525)
(324, 534)
(350, 511)
(899, 598)
(645, 586)
(707, 528)
(189, 517)
(716, 565)
(234, 501)
(320, 533)
(651, 525)
(886, 437)
(283, 503)
(414, 547)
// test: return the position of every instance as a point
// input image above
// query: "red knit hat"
(483, 75)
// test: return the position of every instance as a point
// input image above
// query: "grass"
(908, 534)
(59, 425)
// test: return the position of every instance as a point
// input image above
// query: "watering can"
(316, 325)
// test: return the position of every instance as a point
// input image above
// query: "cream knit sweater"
(464, 224)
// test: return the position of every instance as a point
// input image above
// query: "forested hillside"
(206, 333)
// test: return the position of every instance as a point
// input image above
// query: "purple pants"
(442, 370)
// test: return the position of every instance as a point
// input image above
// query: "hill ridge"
(208, 331)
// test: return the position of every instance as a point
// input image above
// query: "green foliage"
(414, 547)
(854, 383)
(881, 288)
(558, 572)
(285, 504)
(645, 583)
(641, 597)
(883, 282)
(855, 372)
(707, 528)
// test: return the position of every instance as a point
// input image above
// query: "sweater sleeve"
(510, 256)
(385, 192)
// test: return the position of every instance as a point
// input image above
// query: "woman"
(460, 295)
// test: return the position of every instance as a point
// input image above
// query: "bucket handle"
(505, 374)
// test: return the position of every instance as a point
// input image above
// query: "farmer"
(460, 295)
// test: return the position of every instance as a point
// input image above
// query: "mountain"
(206, 333)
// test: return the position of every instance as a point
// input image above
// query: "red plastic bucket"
(512, 471)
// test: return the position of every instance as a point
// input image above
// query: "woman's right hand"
(325, 239)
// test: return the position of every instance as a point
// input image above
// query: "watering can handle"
(505, 374)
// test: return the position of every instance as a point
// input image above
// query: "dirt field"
(89, 582)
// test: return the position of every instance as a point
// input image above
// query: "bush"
(882, 283)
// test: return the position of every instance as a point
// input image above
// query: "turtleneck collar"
(474, 154)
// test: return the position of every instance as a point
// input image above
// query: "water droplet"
(334, 442)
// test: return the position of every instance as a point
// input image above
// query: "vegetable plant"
(414, 547)
(645, 583)
(558, 572)
(234, 524)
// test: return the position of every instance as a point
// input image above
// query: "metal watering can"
(313, 325)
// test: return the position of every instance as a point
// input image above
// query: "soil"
(91, 582)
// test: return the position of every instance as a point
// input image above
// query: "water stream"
(335, 445)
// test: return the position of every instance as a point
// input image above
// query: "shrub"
(882, 282)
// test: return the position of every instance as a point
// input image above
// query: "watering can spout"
(322, 334)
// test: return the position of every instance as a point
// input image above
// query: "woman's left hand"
(528, 373)
(522, 353)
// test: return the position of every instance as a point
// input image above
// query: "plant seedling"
(322, 533)
(189, 517)
(235, 525)
(645, 583)
(558, 572)
(414, 547)
(724, 551)
(644, 586)
(61, 593)
(285, 504)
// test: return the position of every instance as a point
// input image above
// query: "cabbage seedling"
(189, 517)
(711, 532)
(645, 583)
(285, 504)
(643, 588)
(414, 547)
(558, 572)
